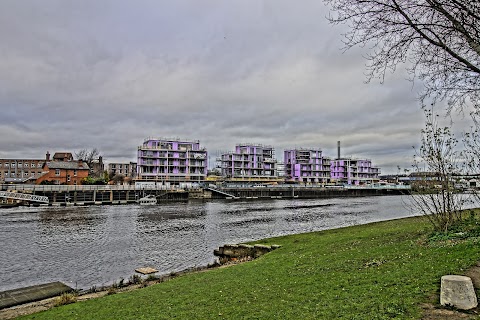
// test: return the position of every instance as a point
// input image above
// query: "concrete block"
(15, 297)
(458, 292)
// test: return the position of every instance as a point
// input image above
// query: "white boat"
(147, 200)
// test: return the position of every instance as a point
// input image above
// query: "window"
(12, 164)
(39, 165)
(68, 178)
(20, 165)
(74, 173)
(57, 172)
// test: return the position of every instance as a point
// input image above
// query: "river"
(97, 245)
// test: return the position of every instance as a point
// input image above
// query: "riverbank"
(375, 271)
(65, 195)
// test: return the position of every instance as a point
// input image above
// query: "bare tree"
(436, 164)
(438, 39)
(87, 156)
(471, 152)
(93, 159)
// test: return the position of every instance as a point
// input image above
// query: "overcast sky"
(108, 74)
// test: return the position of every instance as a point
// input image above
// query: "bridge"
(221, 192)
(23, 196)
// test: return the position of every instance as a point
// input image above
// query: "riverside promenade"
(80, 195)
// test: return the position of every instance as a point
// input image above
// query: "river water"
(97, 245)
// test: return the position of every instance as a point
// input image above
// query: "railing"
(23, 196)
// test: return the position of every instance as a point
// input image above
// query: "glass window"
(57, 172)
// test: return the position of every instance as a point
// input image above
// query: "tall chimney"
(338, 149)
(47, 156)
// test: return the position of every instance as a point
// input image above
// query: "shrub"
(65, 298)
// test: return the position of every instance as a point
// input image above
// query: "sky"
(108, 74)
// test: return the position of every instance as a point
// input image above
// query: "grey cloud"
(108, 74)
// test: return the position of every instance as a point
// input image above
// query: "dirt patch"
(436, 312)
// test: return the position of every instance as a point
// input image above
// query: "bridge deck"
(23, 196)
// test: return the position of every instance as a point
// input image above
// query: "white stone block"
(458, 291)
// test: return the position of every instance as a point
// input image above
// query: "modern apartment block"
(171, 161)
(249, 162)
(20, 170)
(306, 166)
(125, 169)
(353, 171)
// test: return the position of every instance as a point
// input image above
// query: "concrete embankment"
(105, 196)
(15, 297)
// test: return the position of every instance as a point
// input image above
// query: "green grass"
(376, 271)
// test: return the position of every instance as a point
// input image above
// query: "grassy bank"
(377, 271)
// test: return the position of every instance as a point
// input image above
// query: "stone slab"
(15, 297)
(457, 291)
(146, 270)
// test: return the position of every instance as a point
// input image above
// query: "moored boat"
(147, 200)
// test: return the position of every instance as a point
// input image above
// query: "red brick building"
(63, 169)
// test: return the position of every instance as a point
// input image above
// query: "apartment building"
(306, 166)
(354, 171)
(20, 170)
(250, 162)
(171, 161)
(122, 168)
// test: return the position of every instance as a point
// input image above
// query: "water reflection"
(87, 246)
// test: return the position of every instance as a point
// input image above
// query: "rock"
(458, 292)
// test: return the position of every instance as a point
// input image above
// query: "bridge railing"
(23, 196)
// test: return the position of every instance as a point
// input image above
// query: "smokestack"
(47, 156)
(338, 149)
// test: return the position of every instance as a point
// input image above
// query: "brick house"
(63, 170)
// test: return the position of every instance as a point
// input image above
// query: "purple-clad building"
(353, 171)
(249, 162)
(306, 166)
(170, 160)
